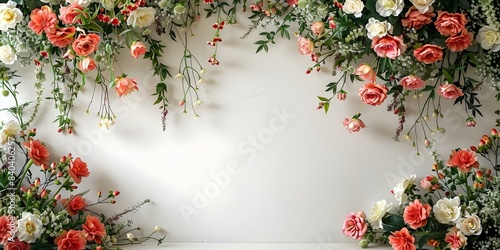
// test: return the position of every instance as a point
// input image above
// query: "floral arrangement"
(457, 207)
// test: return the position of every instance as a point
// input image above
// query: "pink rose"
(85, 45)
(426, 183)
(373, 93)
(458, 43)
(355, 225)
(365, 72)
(455, 238)
(354, 124)
(318, 28)
(449, 24)
(71, 240)
(68, 14)
(449, 91)
(125, 86)
(137, 49)
(87, 64)
(463, 159)
(402, 240)
(388, 46)
(429, 53)
(306, 46)
(17, 245)
(411, 82)
(416, 214)
(415, 19)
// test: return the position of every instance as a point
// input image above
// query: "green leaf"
(393, 222)
(326, 107)
(323, 99)
(370, 5)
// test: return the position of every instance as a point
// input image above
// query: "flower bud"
(364, 243)
(494, 132)
(130, 236)
(5, 93)
(157, 229)
(479, 174)
(43, 194)
(57, 197)
(116, 193)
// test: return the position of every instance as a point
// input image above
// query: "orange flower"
(449, 24)
(416, 214)
(74, 204)
(428, 53)
(69, 14)
(457, 43)
(62, 37)
(463, 159)
(366, 72)
(71, 240)
(37, 152)
(415, 19)
(85, 45)
(87, 64)
(402, 240)
(43, 19)
(93, 229)
(373, 93)
(125, 86)
(78, 169)
(137, 49)
(5, 232)
(17, 245)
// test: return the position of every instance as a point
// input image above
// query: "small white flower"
(7, 55)
(157, 229)
(198, 102)
(422, 5)
(141, 17)
(83, 3)
(106, 123)
(179, 76)
(489, 38)
(470, 225)
(377, 28)
(202, 71)
(11, 129)
(29, 227)
(353, 7)
(201, 81)
(399, 190)
(447, 211)
(389, 7)
(9, 15)
(377, 213)
(130, 236)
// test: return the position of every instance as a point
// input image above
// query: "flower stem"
(26, 169)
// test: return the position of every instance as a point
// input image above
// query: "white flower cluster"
(488, 210)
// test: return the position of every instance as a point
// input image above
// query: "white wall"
(308, 173)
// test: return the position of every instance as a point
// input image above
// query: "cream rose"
(83, 3)
(447, 211)
(353, 7)
(389, 7)
(377, 212)
(108, 4)
(10, 130)
(422, 5)
(142, 17)
(7, 55)
(375, 28)
(9, 15)
(489, 38)
(470, 225)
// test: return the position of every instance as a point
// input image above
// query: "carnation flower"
(29, 227)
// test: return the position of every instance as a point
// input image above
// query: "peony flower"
(68, 14)
(389, 7)
(17, 245)
(429, 53)
(125, 86)
(422, 6)
(377, 213)
(470, 225)
(373, 93)
(74, 204)
(489, 38)
(5, 232)
(399, 190)
(411, 82)
(354, 124)
(37, 152)
(137, 49)
(10, 16)
(93, 229)
(416, 214)
(463, 159)
(141, 17)
(29, 227)
(306, 46)
(455, 239)
(87, 64)
(402, 240)
(447, 211)
(366, 72)
(83, 3)
(375, 28)
(353, 7)
(85, 45)
(449, 24)
(71, 240)
(416, 19)
(62, 37)
(7, 55)
(354, 225)
(388, 46)
(449, 91)
(10, 130)
(77, 170)
(318, 28)
(43, 19)
(458, 43)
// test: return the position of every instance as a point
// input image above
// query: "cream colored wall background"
(260, 164)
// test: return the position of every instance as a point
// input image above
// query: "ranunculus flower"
(68, 14)
(62, 37)
(17, 245)
(125, 86)
(489, 38)
(449, 24)
(71, 240)
(422, 5)
(402, 240)
(78, 169)
(10, 130)
(399, 191)
(455, 239)
(458, 43)
(470, 225)
(388, 46)
(353, 124)
(83, 3)
(449, 91)
(5, 232)
(318, 28)
(375, 28)
(74, 204)
(43, 19)
(306, 46)
(447, 211)
(416, 214)
(137, 49)
(366, 72)
(87, 64)
(463, 159)
(416, 19)
(373, 93)
(389, 7)
(7, 55)
(353, 7)
(10, 16)
(141, 17)
(411, 82)
(29, 227)
(93, 229)
(377, 213)
(85, 45)
(37, 152)
(354, 225)
(429, 53)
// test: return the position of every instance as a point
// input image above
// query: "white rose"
(353, 7)
(377, 28)
(9, 15)
(422, 5)
(447, 211)
(29, 227)
(83, 3)
(141, 17)
(377, 213)
(108, 4)
(399, 190)
(489, 38)
(11, 129)
(7, 55)
(470, 225)
(389, 7)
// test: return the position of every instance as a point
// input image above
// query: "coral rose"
(366, 72)
(373, 93)
(449, 91)
(5, 232)
(306, 46)
(62, 37)
(93, 229)
(125, 86)
(43, 19)
(463, 159)
(85, 45)
(429, 53)
(355, 225)
(87, 64)
(77, 170)
(69, 14)
(449, 24)
(388, 46)
(137, 49)
(411, 82)
(415, 19)
(402, 240)
(416, 214)
(37, 152)
(74, 204)
(17, 245)
(71, 240)
(354, 124)
(458, 43)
